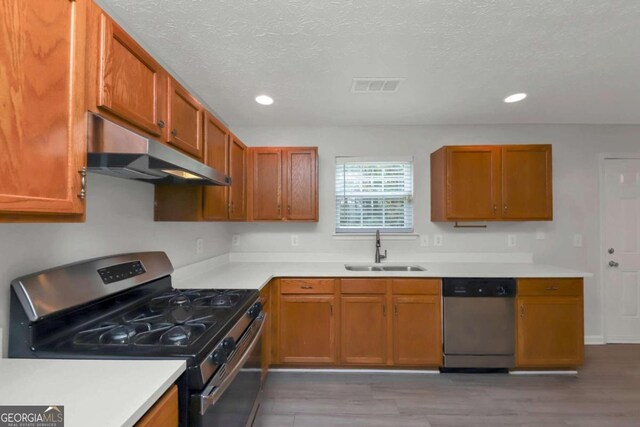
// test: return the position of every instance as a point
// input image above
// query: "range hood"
(116, 151)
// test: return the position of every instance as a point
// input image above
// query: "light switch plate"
(235, 240)
(512, 240)
(540, 235)
(294, 240)
(577, 240)
(424, 240)
(199, 246)
(437, 240)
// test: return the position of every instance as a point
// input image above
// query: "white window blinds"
(374, 194)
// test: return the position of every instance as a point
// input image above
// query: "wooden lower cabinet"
(550, 323)
(307, 329)
(549, 332)
(164, 413)
(417, 330)
(265, 299)
(363, 330)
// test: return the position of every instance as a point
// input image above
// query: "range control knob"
(219, 356)
(228, 344)
(500, 290)
(255, 310)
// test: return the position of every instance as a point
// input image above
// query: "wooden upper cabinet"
(237, 171)
(131, 85)
(216, 149)
(491, 183)
(284, 184)
(42, 109)
(302, 187)
(184, 124)
(266, 190)
(364, 331)
(417, 345)
(526, 182)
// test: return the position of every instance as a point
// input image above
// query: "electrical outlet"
(437, 240)
(294, 240)
(577, 240)
(540, 235)
(199, 246)
(424, 240)
(512, 240)
(235, 240)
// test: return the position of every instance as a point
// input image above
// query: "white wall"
(576, 197)
(119, 219)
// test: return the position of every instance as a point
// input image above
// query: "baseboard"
(570, 372)
(622, 340)
(594, 340)
(356, 371)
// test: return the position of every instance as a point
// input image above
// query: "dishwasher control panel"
(479, 287)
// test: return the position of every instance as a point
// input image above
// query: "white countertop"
(254, 275)
(93, 392)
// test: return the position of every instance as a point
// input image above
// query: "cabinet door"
(526, 182)
(237, 171)
(131, 84)
(473, 183)
(216, 149)
(417, 330)
(363, 329)
(185, 120)
(267, 184)
(42, 106)
(307, 329)
(265, 299)
(549, 332)
(163, 413)
(302, 188)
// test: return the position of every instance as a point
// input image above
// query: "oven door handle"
(220, 382)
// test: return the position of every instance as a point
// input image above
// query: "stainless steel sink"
(383, 268)
(402, 268)
(362, 268)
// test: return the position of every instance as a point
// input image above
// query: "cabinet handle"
(395, 310)
(506, 208)
(306, 287)
(552, 288)
(331, 308)
(289, 208)
(279, 209)
(174, 132)
(161, 124)
(83, 183)
(384, 310)
(495, 208)
(233, 207)
(522, 311)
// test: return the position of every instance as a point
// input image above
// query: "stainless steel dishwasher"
(479, 322)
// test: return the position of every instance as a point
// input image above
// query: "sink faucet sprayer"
(378, 256)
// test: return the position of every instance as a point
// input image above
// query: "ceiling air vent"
(375, 85)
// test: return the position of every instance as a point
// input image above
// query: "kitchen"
(247, 236)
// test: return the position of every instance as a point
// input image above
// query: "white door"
(622, 250)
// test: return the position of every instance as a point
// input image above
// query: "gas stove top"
(177, 318)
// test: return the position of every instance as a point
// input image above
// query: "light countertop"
(93, 392)
(254, 275)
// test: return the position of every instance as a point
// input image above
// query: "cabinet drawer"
(416, 286)
(550, 287)
(306, 286)
(364, 286)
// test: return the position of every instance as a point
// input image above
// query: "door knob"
(611, 250)
(613, 264)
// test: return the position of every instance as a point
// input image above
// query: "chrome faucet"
(378, 256)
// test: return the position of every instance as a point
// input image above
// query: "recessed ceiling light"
(516, 97)
(264, 100)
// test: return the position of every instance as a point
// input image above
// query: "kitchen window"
(374, 194)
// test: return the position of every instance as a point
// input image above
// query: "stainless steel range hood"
(116, 151)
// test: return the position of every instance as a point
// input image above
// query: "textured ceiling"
(579, 60)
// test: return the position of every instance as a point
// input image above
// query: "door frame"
(602, 159)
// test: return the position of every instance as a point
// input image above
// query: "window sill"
(369, 236)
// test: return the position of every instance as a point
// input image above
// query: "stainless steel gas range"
(123, 306)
